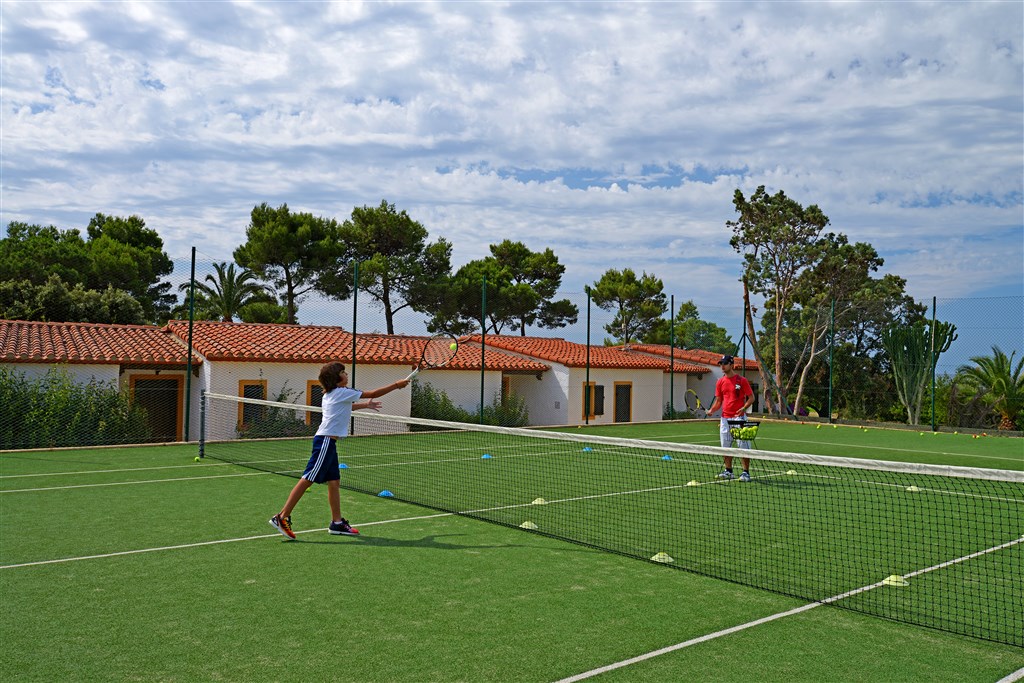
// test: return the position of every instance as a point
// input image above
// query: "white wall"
(222, 377)
(679, 383)
(125, 383)
(80, 374)
(462, 386)
(705, 387)
(648, 387)
(545, 398)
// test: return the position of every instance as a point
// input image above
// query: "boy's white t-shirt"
(337, 405)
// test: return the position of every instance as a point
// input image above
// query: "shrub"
(433, 404)
(276, 423)
(669, 414)
(54, 411)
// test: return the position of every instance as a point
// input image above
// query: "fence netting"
(933, 363)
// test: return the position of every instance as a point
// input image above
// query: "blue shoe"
(745, 476)
(726, 474)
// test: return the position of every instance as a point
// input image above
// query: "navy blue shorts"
(323, 463)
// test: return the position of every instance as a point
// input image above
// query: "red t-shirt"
(733, 392)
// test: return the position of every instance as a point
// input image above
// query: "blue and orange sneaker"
(283, 525)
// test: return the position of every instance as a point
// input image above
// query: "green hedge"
(53, 411)
(433, 404)
(277, 423)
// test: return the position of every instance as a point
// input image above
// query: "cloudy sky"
(614, 133)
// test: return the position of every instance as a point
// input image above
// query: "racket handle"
(412, 374)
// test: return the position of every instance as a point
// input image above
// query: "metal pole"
(483, 342)
(202, 423)
(188, 363)
(672, 357)
(355, 318)
(588, 397)
(933, 363)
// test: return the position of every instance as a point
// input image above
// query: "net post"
(352, 365)
(188, 363)
(587, 397)
(672, 357)
(933, 363)
(202, 423)
(483, 342)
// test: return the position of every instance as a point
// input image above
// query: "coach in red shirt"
(733, 395)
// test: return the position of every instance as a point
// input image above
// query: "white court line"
(130, 483)
(782, 439)
(594, 672)
(114, 471)
(253, 538)
(200, 544)
(1011, 678)
(757, 622)
(679, 646)
(768, 473)
(889, 448)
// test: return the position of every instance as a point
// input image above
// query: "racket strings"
(438, 352)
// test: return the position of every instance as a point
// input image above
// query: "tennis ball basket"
(743, 430)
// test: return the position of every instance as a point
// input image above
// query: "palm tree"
(229, 291)
(1002, 383)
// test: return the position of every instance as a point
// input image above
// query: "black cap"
(726, 360)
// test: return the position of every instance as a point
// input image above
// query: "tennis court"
(139, 563)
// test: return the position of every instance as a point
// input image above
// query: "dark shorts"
(323, 463)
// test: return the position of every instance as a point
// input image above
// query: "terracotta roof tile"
(574, 355)
(92, 343)
(691, 355)
(320, 344)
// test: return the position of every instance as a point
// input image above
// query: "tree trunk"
(289, 293)
(816, 334)
(389, 315)
(762, 373)
(803, 375)
(783, 403)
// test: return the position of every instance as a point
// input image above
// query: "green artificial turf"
(194, 585)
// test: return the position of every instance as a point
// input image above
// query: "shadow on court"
(430, 541)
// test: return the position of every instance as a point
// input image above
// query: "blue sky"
(613, 133)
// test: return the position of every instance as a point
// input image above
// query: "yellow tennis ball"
(196, 458)
(453, 346)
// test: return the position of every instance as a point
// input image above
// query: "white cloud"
(546, 122)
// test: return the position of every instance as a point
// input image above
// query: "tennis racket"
(438, 351)
(693, 404)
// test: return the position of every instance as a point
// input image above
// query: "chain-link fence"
(72, 384)
(942, 363)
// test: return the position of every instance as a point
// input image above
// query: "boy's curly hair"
(330, 375)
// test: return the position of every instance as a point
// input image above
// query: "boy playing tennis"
(338, 403)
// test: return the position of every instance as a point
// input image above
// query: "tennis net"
(940, 547)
